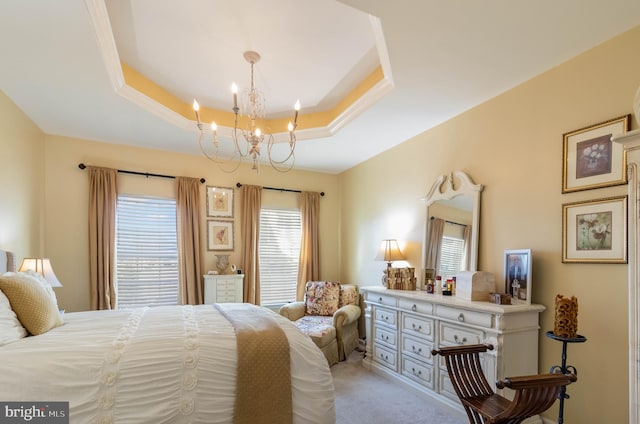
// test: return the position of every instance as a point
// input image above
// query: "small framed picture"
(220, 202)
(595, 231)
(517, 275)
(591, 160)
(219, 235)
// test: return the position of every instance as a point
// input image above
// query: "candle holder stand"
(564, 368)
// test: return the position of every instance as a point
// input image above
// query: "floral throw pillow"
(322, 297)
(348, 296)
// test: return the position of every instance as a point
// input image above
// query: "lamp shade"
(389, 251)
(43, 267)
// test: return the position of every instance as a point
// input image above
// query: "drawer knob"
(418, 328)
(380, 299)
(413, 370)
(419, 350)
(461, 317)
(414, 308)
(459, 341)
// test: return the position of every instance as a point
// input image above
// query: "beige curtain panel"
(250, 227)
(309, 266)
(435, 242)
(103, 196)
(190, 290)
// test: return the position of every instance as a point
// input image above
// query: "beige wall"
(513, 145)
(22, 174)
(67, 189)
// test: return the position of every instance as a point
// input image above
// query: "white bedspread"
(152, 365)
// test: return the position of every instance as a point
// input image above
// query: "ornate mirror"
(452, 225)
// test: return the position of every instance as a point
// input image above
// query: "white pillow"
(10, 327)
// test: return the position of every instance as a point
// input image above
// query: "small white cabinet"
(225, 288)
(404, 326)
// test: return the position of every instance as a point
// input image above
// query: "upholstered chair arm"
(294, 310)
(346, 315)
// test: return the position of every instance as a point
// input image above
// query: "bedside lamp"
(43, 267)
(389, 252)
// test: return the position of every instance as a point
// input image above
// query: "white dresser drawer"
(418, 372)
(418, 326)
(451, 334)
(385, 336)
(418, 307)
(417, 348)
(481, 319)
(382, 299)
(387, 316)
(385, 356)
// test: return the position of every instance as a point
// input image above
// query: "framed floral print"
(220, 202)
(219, 235)
(517, 275)
(595, 231)
(591, 160)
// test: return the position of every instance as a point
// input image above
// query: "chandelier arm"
(292, 146)
(217, 159)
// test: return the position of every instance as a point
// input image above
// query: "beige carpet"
(363, 397)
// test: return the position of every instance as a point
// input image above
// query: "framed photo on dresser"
(517, 275)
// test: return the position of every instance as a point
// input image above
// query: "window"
(279, 255)
(452, 250)
(146, 271)
(451, 253)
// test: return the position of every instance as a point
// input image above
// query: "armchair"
(329, 315)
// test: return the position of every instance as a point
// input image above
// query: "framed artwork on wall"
(220, 202)
(517, 275)
(595, 231)
(219, 235)
(591, 160)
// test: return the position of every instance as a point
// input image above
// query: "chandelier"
(248, 138)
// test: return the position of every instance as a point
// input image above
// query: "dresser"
(223, 288)
(404, 326)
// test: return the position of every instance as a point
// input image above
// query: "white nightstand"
(223, 288)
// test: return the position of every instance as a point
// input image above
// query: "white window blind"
(279, 255)
(146, 252)
(451, 253)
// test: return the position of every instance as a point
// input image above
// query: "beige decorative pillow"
(348, 296)
(321, 297)
(36, 309)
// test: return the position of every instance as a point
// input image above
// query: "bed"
(164, 365)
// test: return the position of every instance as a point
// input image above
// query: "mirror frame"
(443, 189)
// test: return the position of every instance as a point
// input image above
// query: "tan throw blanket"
(263, 386)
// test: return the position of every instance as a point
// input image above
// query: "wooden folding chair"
(534, 394)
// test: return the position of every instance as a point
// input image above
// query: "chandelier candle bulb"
(234, 90)
(196, 107)
(297, 109)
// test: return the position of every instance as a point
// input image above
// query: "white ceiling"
(444, 57)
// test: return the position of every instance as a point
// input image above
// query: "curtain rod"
(280, 189)
(450, 222)
(146, 174)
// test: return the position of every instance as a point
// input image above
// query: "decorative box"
(401, 278)
(475, 285)
(501, 298)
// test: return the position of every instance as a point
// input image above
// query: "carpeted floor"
(362, 397)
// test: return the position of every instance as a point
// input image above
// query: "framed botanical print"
(219, 235)
(220, 202)
(595, 231)
(591, 160)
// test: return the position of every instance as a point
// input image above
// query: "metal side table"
(564, 368)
